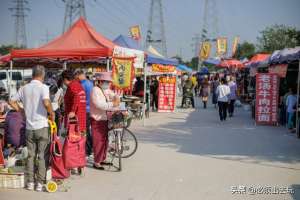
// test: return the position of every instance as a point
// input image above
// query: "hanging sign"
(280, 70)
(122, 73)
(166, 94)
(266, 109)
(205, 50)
(221, 46)
(135, 32)
(235, 45)
(163, 68)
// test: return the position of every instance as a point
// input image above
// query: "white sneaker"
(39, 187)
(30, 186)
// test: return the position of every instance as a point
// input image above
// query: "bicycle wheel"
(129, 143)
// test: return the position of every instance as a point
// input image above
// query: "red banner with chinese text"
(166, 94)
(266, 108)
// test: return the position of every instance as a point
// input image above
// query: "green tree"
(245, 50)
(278, 37)
(5, 49)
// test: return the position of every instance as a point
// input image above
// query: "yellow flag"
(135, 32)
(205, 50)
(235, 44)
(122, 72)
(221, 46)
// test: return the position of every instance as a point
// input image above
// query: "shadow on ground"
(201, 133)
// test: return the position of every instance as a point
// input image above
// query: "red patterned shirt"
(75, 101)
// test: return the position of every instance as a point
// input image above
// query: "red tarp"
(81, 41)
(231, 63)
(259, 57)
(4, 59)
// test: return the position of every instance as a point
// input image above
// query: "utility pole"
(74, 9)
(196, 44)
(156, 29)
(19, 10)
(209, 31)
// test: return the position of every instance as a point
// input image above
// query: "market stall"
(290, 56)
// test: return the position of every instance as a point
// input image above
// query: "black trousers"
(89, 139)
(231, 107)
(223, 110)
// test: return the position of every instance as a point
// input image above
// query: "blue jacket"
(87, 86)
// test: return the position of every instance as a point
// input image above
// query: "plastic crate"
(12, 180)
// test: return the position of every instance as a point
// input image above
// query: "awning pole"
(65, 65)
(107, 64)
(297, 107)
(10, 78)
(145, 93)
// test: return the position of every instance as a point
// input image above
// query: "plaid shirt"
(75, 101)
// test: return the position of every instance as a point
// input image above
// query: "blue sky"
(183, 19)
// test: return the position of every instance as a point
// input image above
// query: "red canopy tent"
(259, 57)
(231, 63)
(80, 42)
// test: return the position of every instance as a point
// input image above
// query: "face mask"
(105, 85)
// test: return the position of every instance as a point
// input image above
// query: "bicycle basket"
(118, 120)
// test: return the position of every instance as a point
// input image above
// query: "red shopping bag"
(58, 168)
(74, 147)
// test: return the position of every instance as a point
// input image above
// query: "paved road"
(191, 155)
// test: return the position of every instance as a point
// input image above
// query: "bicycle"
(122, 143)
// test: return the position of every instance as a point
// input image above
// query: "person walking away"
(102, 100)
(291, 102)
(223, 91)
(214, 87)
(88, 87)
(233, 95)
(75, 104)
(187, 91)
(37, 106)
(205, 92)
(138, 89)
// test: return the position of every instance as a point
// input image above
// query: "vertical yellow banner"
(135, 32)
(122, 72)
(205, 50)
(221, 46)
(235, 45)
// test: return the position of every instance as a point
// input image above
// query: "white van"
(17, 77)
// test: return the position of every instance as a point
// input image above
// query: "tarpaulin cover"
(231, 63)
(129, 42)
(184, 68)
(81, 41)
(212, 61)
(285, 56)
(257, 59)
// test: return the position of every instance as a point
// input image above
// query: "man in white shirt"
(36, 105)
(223, 92)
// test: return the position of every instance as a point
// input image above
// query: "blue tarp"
(285, 56)
(212, 61)
(184, 68)
(128, 42)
